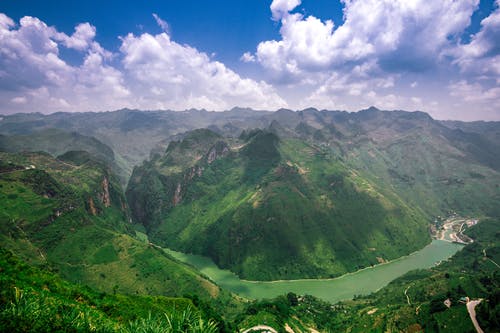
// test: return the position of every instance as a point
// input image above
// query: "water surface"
(361, 282)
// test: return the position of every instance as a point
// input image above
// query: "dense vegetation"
(270, 208)
(71, 215)
(37, 300)
(268, 195)
(411, 303)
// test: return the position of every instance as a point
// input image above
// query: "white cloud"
(474, 92)
(353, 91)
(397, 33)
(19, 100)
(481, 56)
(161, 23)
(482, 102)
(178, 76)
(247, 57)
(149, 72)
(380, 50)
(81, 39)
(280, 8)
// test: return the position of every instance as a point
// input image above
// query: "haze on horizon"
(440, 57)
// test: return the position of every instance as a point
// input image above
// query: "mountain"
(270, 208)
(269, 195)
(37, 300)
(430, 300)
(70, 213)
(316, 194)
(57, 142)
(131, 134)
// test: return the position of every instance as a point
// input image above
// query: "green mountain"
(269, 195)
(57, 142)
(270, 208)
(70, 214)
(131, 134)
(317, 194)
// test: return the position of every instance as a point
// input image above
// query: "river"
(361, 282)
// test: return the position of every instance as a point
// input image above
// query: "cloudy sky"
(442, 57)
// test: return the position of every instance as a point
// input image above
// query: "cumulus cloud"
(474, 92)
(81, 39)
(400, 34)
(247, 57)
(31, 66)
(482, 102)
(19, 100)
(280, 8)
(173, 75)
(381, 48)
(482, 55)
(148, 72)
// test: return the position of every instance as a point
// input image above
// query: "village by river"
(452, 228)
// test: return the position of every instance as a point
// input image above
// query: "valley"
(345, 287)
(322, 220)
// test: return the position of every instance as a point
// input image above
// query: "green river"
(361, 282)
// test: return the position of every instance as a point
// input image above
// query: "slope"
(70, 213)
(57, 142)
(268, 208)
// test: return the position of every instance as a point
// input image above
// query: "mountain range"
(268, 195)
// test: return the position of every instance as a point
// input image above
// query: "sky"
(440, 57)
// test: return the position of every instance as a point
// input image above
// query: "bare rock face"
(92, 208)
(106, 200)
(177, 195)
(220, 149)
(197, 170)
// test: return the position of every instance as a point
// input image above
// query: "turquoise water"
(362, 282)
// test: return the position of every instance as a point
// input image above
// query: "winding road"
(472, 313)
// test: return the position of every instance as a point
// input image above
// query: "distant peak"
(239, 109)
(371, 109)
(310, 110)
(283, 110)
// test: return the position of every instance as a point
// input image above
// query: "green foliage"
(388, 308)
(272, 209)
(33, 300)
(47, 220)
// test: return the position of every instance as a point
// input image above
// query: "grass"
(35, 300)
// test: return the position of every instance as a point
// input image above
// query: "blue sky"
(441, 57)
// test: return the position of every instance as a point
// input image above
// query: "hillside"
(268, 195)
(57, 142)
(70, 214)
(131, 134)
(270, 208)
(37, 300)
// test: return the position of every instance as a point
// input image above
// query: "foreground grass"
(35, 300)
